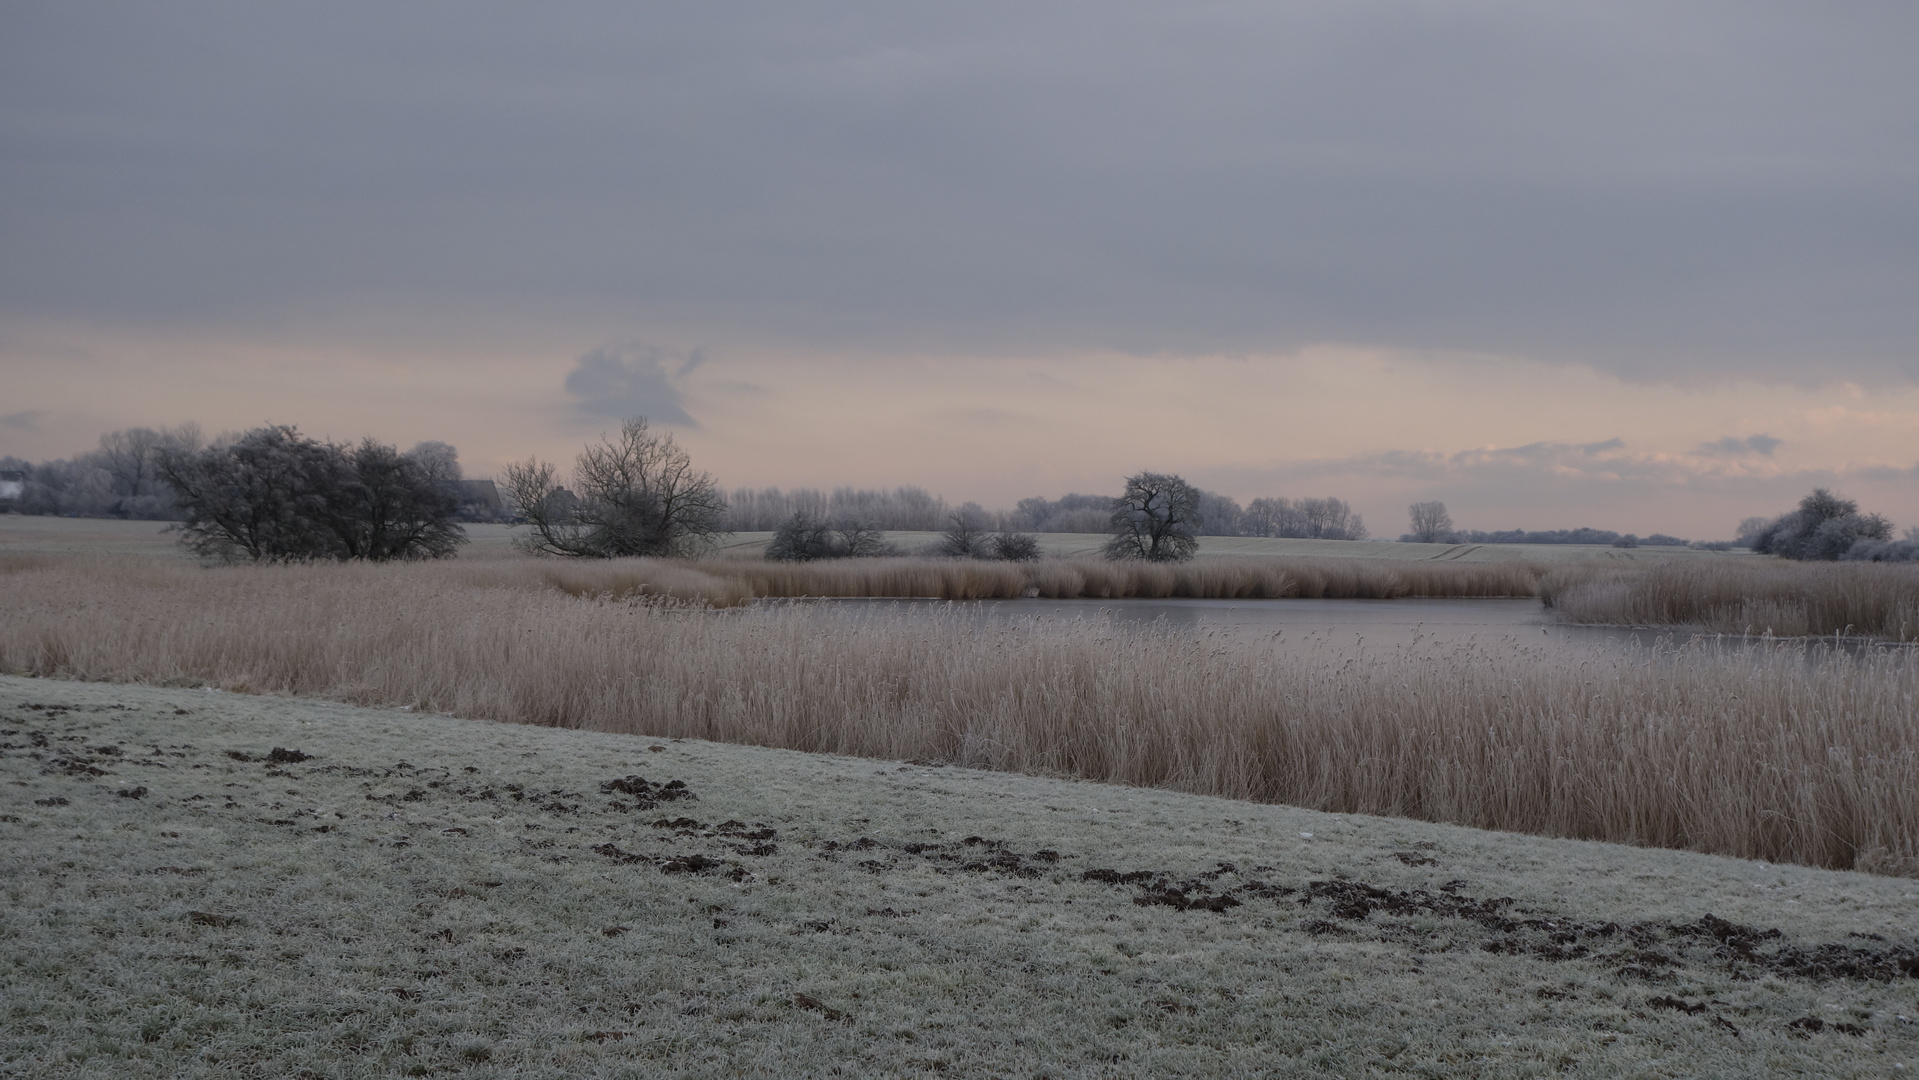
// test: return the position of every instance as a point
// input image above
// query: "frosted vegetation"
(207, 884)
(1751, 753)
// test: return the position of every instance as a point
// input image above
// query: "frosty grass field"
(212, 884)
(201, 882)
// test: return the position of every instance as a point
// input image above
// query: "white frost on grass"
(351, 915)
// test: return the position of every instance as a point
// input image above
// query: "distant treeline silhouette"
(914, 509)
(1219, 515)
(906, 509)
(1565, 536)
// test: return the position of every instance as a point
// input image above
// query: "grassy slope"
(429, 929)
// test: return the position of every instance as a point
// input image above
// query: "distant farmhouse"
(480, 501)
(12, 486)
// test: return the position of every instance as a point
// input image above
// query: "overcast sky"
(1642, 266)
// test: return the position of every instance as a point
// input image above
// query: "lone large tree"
(1156, 519)
(637, 495)
(1431, 523)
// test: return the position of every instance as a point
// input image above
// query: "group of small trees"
(1823, 527)
(1826, 527)
(1219, 515)
(117, 479)
(901, 508)
(273, 495)
(802, 538)
(968, 535)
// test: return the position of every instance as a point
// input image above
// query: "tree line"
(1823, 527)
(117, 479)
(1432, 524)
(272, 494)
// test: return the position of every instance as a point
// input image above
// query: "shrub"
(800, 538)
(1016, 547)
(273, 495)
(965, 535)
(1824, 527)
(1882, 551)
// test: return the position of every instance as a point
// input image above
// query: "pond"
(1356, 625)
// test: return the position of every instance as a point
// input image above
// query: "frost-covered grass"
(421, 895)
(1757, 753)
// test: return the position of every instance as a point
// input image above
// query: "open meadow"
(246, 834)
(1758, 752)
(214, 884)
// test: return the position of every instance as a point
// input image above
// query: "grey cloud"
(28, 420)
(1889, 474)
(633, 381)
(1699, 191)
(1734, 446)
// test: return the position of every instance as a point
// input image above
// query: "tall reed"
(1215, 579)
(1762, 753)
(1747, 596)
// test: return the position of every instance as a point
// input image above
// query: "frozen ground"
(201, 884)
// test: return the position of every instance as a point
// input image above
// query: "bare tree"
(965, 535)
(1156, 518)
(638, 495)
(128, 456)
(1431, 523)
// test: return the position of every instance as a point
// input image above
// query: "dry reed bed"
(1763, 754)
(1756, 597)
(727, 580)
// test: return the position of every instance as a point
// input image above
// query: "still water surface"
(1362, 624)
(1371, 626)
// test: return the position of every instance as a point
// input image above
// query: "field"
(1758, 753)
(212, 884)
(721, 839)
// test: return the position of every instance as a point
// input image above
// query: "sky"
(1644, 266)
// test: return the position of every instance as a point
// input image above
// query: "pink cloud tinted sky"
(1640, 266)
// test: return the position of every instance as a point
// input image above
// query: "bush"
(273, 495)
(1824, 527)
(1882, 551)
(965, 535)
(1015, 547)
(802, 539)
